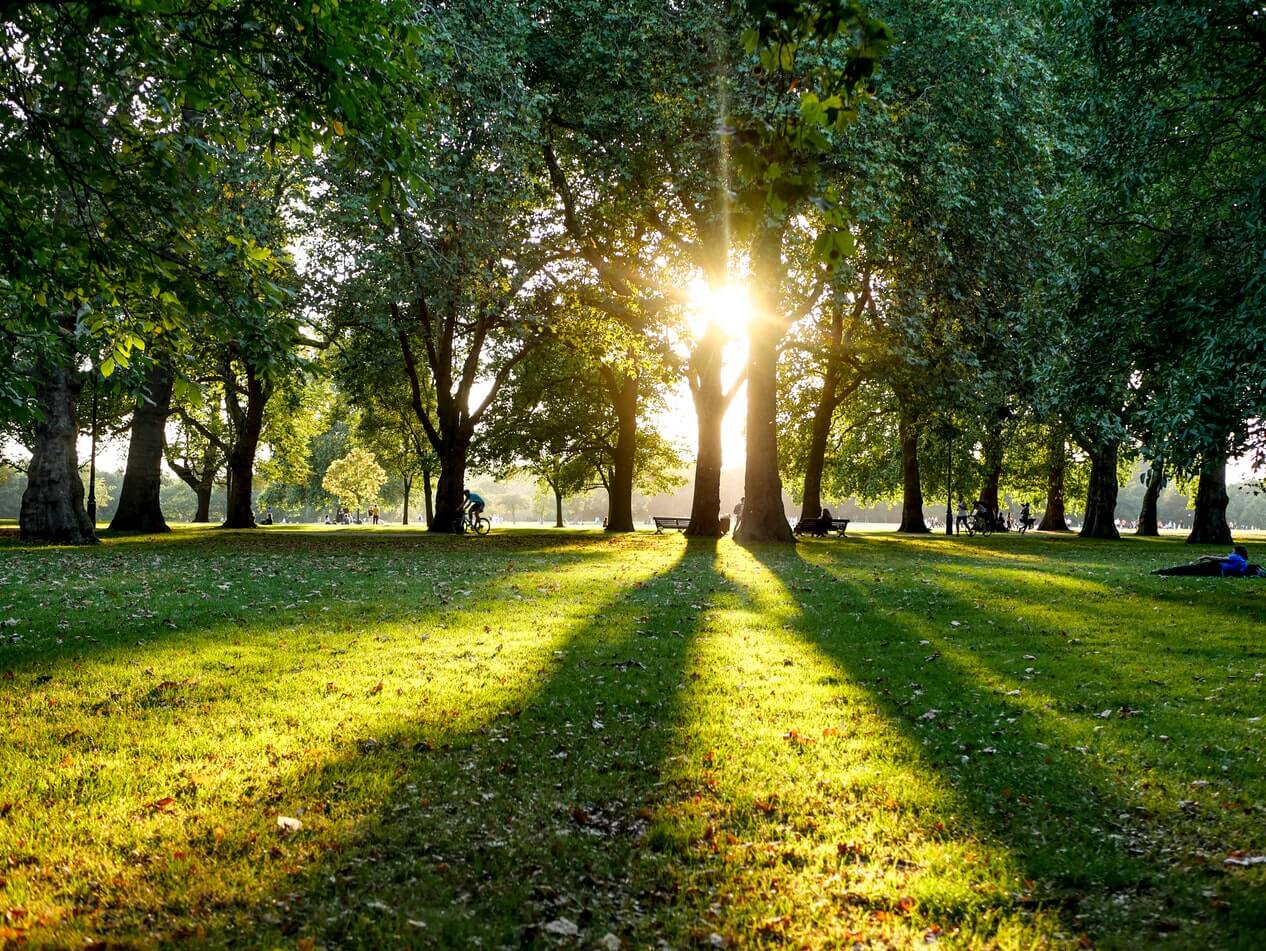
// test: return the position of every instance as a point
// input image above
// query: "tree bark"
(993, 473)
(1209, 525)
(1149, 525)
(449, 499)
(620, 494)
(139, 508)
(241, 475)
(710, 406)
(1101, 499)
(203, 512)
(427, 498)
(912, 522)
(53, 503)
(1056, 463)
(764, 519)
(408, 487)
(558, 507)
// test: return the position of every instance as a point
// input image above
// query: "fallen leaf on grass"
(563, 927)
(287, 825)
(375, 689)
(1239, 858)
(161, 805)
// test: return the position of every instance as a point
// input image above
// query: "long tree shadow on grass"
(1085, 847)
(200, 843)
(181, 590)
(528, 828)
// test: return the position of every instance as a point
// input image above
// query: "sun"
(727, 306)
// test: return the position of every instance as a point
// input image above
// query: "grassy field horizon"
(358, 737)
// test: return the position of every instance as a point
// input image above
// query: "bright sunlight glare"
(728, 307)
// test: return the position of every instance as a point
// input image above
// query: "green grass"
(1010, 742)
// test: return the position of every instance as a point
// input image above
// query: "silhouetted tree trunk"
(911, 485)
(1209, 525)
(711, 403)
(53, 503)
(993, 472)
(449, 499)
(1056, 464)
(763, 517)
(140, 509)
(558, 507)
(248, 424)
(427, 498)
(407, 482)
(624, 395)
(1149, 525)
(1101, 499)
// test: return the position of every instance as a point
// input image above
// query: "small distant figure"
(1027, 520)
(268, 518)
(1234, 565)
(373, 514)
(738, 512)
(960, 520)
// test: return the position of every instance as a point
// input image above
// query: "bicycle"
(979, 523)
(472, 522)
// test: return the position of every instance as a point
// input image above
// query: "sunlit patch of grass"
(1001, 742)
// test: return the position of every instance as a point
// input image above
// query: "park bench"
(838, 525)
(666, 521)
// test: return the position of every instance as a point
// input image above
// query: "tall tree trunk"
(811, 506)
(449, 500)
(993, 473)
(1149, 525)
(1056, 463)
(203, 492)
(408, 487)
(710, 406)
(241, 474)
(558, 507)
(912, 522)
(139, 508)
(620, 494)
(1209, 525)
(764, 519)
(427, 498)
(53, 503)
(1101, 499)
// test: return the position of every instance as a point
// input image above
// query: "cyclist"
(474, 505)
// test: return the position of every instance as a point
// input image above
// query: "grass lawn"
(368, 738)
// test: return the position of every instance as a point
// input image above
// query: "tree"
(140, 509)
(118, 124)
(355, 478)
(448, 237)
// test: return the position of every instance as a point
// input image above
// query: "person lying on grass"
(1234, 565)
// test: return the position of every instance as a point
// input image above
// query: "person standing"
(738, 513)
